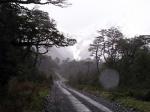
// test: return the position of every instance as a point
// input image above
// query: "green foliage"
(135, 104)
(104, 46)
(37, 100)
(134, 63)
(121, 95)
(126, 98)
(60, 3)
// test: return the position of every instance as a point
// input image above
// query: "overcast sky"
(83, 18)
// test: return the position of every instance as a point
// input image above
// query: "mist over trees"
(130, 57)
(79, 72)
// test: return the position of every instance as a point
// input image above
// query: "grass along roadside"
(122, 97)
(136, 104)
(35, 104)
(37, 99)
(26, 96)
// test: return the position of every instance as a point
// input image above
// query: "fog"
(96, 52)
(84, 17)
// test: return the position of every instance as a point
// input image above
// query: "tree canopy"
(104, 46)
(33, 29)
(60, 3)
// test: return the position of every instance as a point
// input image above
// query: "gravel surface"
(57, 102)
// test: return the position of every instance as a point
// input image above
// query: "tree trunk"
(97, 60)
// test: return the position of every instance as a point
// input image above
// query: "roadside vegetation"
(124, 98)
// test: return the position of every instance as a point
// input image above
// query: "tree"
(57, 60)
(110, 38)
(23, 35)
(31, 30)
(40, 31)
(104, 46)
(60, 3)
(134, 60)
(88, 62)
(95, 50)
(127, 48)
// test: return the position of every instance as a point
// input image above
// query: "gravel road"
(67, 99)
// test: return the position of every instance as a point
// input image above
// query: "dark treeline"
(25, 35)
(129, 56)
(79, 72)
